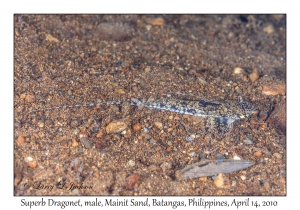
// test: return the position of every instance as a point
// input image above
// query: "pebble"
(23, 96)
(238, 70)
(83, 134)
(99, 134)
(192, 154)
(248, 141)
(131, 181)
(120, 91)
(147, 69)
(131, 163)
(152, 141)
(257, 154)
(274, 90)
(233, 184)
(137, 127)
(191, 137)
(243, 177)
(76, 131)
(157, 22)
(203, 179)
(36, 135)
(201, 81)
(86, 142)
(166, 166)
(30, 98)
(51, 38)
(277, 118)
(74, 143)
(114, 32)
(117, 126)
(269, 29)
(236, 157)
(159, 125)
(263, 115)
(169, 149)
(222, 181)
(20, 140)
(277, 155)
(74, 123)
(254, 75)
(272, 87)
(32, 164)
(40, 124)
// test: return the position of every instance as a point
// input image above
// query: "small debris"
(214, 167)
(131, 181)
(222, 181)
(137, 127)
(254, 75)
(50, 38)
(117, 126)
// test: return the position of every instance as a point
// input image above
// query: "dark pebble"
(86, 142)
(131, 181)
(263, 115)
(277, 118)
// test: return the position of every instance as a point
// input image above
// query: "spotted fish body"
(221, 115)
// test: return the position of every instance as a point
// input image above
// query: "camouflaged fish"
(221, 115)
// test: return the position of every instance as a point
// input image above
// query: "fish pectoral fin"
(223, 124)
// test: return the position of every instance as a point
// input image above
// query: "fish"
(220, 115)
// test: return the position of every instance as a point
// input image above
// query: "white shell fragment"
(214, 167)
